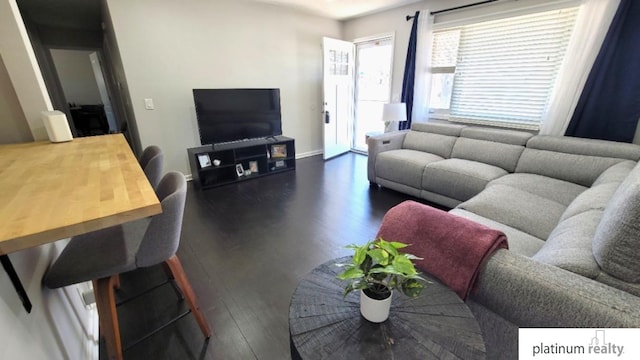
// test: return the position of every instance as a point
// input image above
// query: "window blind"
(444, 52)
(506, 68)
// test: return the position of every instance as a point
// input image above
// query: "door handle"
(327, 117)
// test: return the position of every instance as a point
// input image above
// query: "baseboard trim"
(308, 154)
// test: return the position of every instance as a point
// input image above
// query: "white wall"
(169, 48)
(58, 327)
(22, 67)
(13, 125)
(76, 76)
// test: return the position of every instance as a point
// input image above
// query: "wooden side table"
(435, 325)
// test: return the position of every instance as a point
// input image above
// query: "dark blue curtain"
(609, 106)
(410, 73)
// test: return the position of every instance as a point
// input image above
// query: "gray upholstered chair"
(151, 163)
(102, 255)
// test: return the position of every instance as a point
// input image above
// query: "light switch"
(148, 104)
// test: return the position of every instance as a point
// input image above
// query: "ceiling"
(68, 14)
(341, 9)
(85, 14)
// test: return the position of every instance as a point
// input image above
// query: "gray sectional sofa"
(570, 208)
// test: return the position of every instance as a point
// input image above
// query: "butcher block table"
(52, 191)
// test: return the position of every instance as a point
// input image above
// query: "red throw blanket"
(453, 248)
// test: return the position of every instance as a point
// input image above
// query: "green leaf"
(347, 290)
(412, 287)
(380, 256)
(351, 273)
(389, 269)
(398, 245)
(404, 265)
(360, 254)
(413, 257)
(388, 247)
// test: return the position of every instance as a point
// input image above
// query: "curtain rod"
(460, 7)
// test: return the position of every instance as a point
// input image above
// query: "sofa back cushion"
(578, 169)
(501, 148)
(432, 138)
(569, 245)
(580, 161)
(615, 174)
(616, 245)
(590, 147)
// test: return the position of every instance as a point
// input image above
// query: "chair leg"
(116, 282)
(172, 280)
(185, 287)
(106, 305)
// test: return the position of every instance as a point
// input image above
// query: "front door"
(338, 111)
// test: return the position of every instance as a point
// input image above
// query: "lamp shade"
(394, 112)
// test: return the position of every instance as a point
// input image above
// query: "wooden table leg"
(106, 304)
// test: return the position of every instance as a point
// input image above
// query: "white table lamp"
(393, 112)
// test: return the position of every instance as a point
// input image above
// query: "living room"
(165, 51)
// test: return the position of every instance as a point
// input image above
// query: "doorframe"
(382, 36)
(57, 94)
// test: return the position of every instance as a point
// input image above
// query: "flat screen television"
(226, 115)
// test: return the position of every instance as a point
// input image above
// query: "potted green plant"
(378, 268)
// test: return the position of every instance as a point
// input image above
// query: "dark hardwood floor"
(244, 248)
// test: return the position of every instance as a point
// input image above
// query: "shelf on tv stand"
(244, 152)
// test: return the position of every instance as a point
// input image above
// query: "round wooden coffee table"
(324, 325)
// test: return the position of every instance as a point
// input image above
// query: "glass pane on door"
(373, 88)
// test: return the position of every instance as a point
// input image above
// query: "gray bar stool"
(151, 163)
(101, 255)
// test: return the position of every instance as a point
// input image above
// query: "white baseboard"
(308, 154)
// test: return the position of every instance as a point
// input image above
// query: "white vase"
(374, 310)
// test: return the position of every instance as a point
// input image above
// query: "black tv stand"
(269, 155)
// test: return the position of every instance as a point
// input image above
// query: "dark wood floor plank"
(245, 247)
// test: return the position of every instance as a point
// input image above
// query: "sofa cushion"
(559, 191)
(404, 166)
(457, 178)
(612, 281)
(438, 128)
(527, 212)
(519, 242)
(569, 245)
(578, 169)
(512, 137)
(616, 245)
(437, 144)
(494, 153)
(616, 173)
(589, 147)
(594, 198)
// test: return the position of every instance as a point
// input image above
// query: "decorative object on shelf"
(205, 160)
(279, 151)
(217, 162)
(378, 268)
(253, 166)
(393, 112)
(247, 172)
(280, 164)
(239, 170)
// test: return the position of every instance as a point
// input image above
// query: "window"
(499, 72)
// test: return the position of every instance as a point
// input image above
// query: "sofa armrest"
(532, 294)
(381, 143)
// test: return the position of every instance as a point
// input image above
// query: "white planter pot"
(374, 310)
